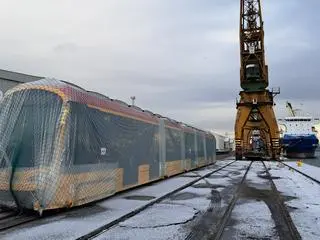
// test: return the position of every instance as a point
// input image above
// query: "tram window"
(100, 137)
(173, 144)
(209, 147)
(200, 146)
(189, 145)
(86, 135)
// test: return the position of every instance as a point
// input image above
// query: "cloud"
(179, 58)
(65, 48)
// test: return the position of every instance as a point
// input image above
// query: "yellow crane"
(255, 120)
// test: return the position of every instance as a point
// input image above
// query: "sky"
(180, 58)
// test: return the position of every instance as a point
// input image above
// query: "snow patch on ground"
(169, 233)
(303, 201)
(161, 215)
(150, 224)
(310, 170)
(252, 219)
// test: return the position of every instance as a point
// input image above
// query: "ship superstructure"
(299, 140)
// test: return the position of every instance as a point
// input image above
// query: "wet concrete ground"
(251, 218)
(311, 161)
(194, 210)
(206, 224)
(301, 197)
(194, 213)
(255, 215)
(82, 220)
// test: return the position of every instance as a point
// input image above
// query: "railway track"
(106, 227)
(223, 221)
(284, 213)
(302, 173)
(286, 228)
(10, 218)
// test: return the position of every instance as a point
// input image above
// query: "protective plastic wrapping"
(63, 146)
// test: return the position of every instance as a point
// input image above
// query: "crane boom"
(252, 55)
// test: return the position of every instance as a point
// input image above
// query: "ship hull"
(299, 146)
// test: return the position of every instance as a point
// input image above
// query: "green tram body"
(63, 146)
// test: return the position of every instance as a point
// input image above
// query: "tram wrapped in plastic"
(62, 146)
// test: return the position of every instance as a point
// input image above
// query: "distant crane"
(255, 116)
(292, 112)
(290, 109)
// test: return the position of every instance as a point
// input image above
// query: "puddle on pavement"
(235, 173)
(184, 196)
(259, 238)
(291, 208)
(140, 197)
(207, 185)
(287, 198)
(229, 174)
(258, 193)
(263, 175)
(217, 176)
(216, 186)
(190, 176)
(202, 185)
(250, 192)
(200, 227)
(215, 196)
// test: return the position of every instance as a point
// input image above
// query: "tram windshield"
(28, 124)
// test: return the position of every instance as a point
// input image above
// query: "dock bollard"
(299, 163)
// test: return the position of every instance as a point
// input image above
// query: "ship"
(298, 138)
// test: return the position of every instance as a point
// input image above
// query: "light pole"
(132, 100)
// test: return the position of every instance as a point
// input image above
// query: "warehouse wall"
(9, 79)
(5, 85)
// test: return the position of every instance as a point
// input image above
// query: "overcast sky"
(180, 58)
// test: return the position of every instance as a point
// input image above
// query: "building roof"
(18, 77)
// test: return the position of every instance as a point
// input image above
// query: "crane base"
(256, 120)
